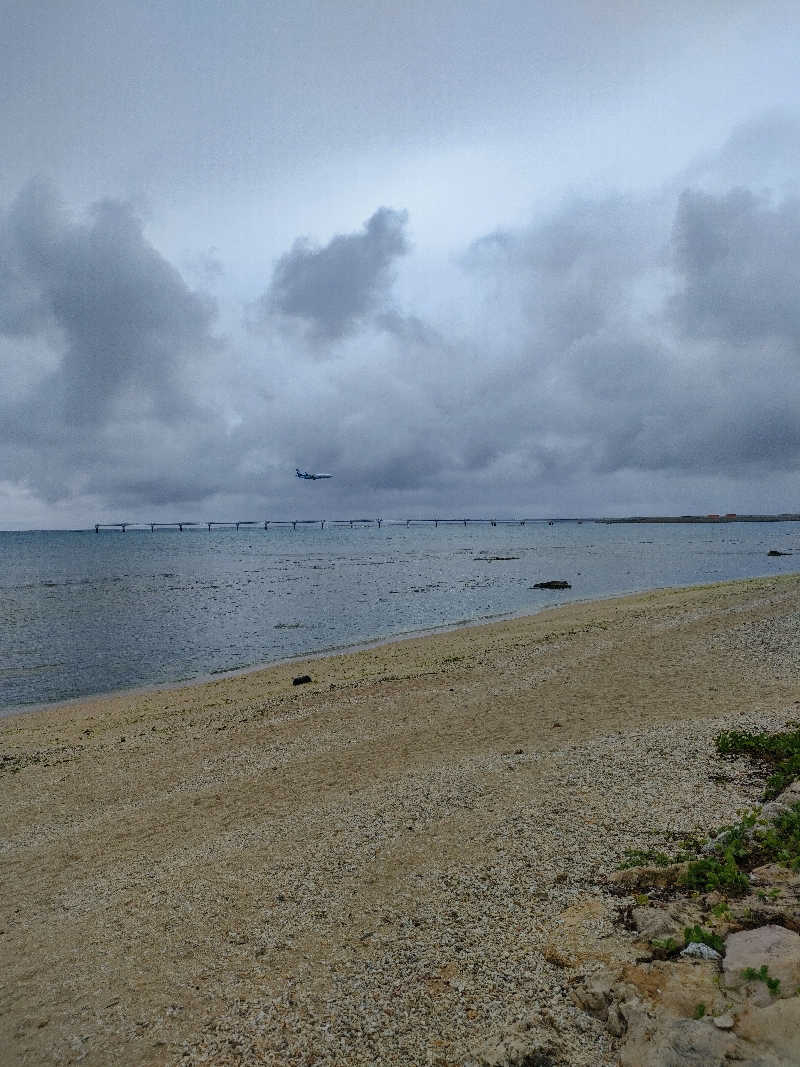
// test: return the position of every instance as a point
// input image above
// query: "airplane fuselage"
(311, 477)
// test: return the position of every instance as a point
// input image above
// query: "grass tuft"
(779, 752)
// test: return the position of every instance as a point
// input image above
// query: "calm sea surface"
(84, 613)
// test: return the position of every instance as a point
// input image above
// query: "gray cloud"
(130, 327)
(334, 288)
(127, 337)
(737, 257)
(620, 352)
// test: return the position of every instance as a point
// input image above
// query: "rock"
(773, 905)
(301, 679)
(723, 1022)
(775, 552)
(791, 794)
(676, 987)
(773, 874)
(772, 946)
(650, 877)
(553, 583)
(656, 924)
(678, 1043)
(774, 1028)
(616, 1023)
(661, 924)
(771, 811)
(593, 995)
(700, 951)
(529, 1043)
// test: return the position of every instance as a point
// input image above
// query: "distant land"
(730, 517)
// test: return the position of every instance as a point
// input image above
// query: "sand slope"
(381, 866)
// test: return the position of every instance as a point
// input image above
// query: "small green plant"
(780, 841)
(750, 974)
(704, 937)
(721, 910)
(666, 945)
(779, 752)
(641, 900)
(700, 1011)
(706, 875)
(769, 895)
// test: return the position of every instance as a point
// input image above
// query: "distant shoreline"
(788, 517)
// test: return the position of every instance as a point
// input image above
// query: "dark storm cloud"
(335, 287)
(737, 255)
(128, 324)
(654, 334)
(114, 405)
(615, 345)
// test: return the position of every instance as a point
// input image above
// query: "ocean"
(85, 613)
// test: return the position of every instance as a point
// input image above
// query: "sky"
(514, 259)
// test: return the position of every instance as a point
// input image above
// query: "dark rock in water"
(554, 583)
(775, 552)
(301, 680)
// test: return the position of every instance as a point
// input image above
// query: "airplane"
(310, 477)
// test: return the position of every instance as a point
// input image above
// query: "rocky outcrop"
(733, 992)
(553, 583)
(677, 1014)
(650, 877)
(769, 952)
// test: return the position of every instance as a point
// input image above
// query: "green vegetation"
(637, 857)
(704, 937)
(700, 1011)
(780, 753)
(780, 841)
(750, 974)
(664, 946)
(723, 865)
(770, 895)
(722, 869)
(744, 846)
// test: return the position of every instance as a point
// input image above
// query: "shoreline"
(12, 711)
(387, 864)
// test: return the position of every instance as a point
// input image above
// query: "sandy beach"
(387, 865)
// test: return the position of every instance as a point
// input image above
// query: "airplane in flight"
(310, 477)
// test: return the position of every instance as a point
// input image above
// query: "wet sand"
(382, 866)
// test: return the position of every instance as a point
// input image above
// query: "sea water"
(84, 613)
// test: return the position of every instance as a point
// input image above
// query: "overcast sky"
(470, 257)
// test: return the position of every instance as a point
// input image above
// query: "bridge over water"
(320, 523)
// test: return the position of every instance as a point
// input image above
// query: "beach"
(387, 864)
